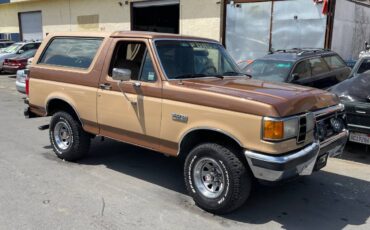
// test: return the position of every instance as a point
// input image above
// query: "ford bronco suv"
(183, 97)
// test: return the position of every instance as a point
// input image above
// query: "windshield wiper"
(190, 75)
(231, 73)
(195, 75)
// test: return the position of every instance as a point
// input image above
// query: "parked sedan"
(16, 49)
(12, 65)
(355, 95)
(311, 67)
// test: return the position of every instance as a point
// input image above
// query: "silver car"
(15, 49)
(20, 82)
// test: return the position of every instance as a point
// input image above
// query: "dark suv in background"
(317, 68)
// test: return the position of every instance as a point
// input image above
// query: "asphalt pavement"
(119, 186)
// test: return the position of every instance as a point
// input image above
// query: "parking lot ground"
(119, 186)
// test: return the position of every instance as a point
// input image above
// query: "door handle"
(105, 86)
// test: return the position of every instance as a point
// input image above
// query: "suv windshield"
(269, 70)
(12, 49)
(191, 59)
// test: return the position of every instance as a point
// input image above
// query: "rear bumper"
(21, 87)
(299, 163)
(10, 69)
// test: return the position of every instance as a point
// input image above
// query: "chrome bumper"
(300, 163)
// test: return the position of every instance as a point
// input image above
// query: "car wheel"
(216, 178)
(69, 141)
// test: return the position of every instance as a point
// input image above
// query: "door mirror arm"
(122, 75)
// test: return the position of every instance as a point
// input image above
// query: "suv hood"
(250, 96)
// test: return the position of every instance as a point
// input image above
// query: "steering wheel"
(207, 68)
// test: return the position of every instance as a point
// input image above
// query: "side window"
(128, 55)
(318, 66)
(71, 52)
(147, 72)
(334, 62)
(27, 47)
(303, 70)
(30, 46)
(365, 66)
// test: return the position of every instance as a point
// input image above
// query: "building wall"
(351, 29)
(197, 17)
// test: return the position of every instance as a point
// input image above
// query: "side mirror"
(121, 74)
(295, 77)
(20, 51)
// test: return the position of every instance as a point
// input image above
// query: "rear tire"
(69, 141)
(216, 178)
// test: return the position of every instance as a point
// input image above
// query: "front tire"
(216, 178)
(69, 141)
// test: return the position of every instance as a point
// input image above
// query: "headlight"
(278, 129)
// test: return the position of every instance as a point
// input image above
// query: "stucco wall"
(197, 17)
(201, 18)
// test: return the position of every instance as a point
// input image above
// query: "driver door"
(131, 111)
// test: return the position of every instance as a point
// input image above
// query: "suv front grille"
(302, 129)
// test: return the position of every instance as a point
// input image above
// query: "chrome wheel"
(63, 135)
(209, 178)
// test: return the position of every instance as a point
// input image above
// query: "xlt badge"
(179, 117)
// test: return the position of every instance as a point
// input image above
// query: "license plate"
(321, 161)
(360, 138)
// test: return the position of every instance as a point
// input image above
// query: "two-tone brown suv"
(182, 96)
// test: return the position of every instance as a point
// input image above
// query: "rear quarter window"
(71, 52)
(334, 62)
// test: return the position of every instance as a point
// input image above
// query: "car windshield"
(12, 49)
(269, 70)
(193, 59)
(28, 54)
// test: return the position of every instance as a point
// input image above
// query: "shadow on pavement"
(321, 201)
(356, 152)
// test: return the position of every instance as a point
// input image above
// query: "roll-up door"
(31, 25)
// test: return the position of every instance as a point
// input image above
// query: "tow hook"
(44, 127)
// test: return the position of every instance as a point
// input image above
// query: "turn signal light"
(273, 130)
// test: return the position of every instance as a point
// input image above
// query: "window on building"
(71, 52)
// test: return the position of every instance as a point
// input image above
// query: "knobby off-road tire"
(216, 178)
(69, 141)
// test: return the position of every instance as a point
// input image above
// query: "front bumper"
(276, 168)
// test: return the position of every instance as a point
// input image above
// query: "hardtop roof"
(297, 54)
(128, 34)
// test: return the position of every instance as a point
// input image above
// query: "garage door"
(157, 16)
(31, 25)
